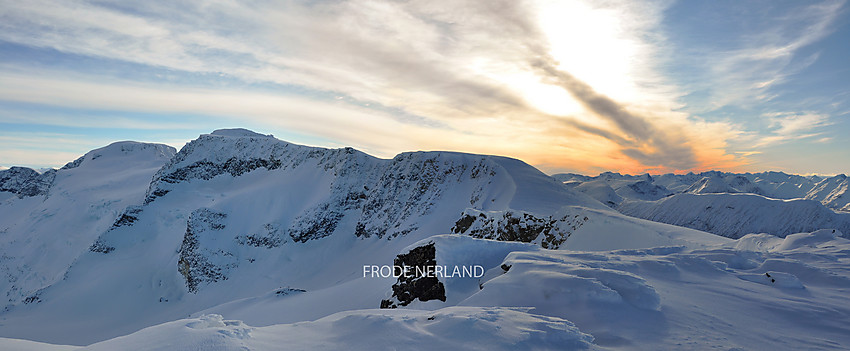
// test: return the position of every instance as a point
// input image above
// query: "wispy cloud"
(410, 75)
(39, 149)
(793, 126)
(743, 69)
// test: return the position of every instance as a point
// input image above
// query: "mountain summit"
(135, 239)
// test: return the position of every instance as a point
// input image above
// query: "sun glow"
(547, 98)
(594, 45)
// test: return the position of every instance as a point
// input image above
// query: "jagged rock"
(411, 186)
(288, 291)
(194, 262)
(270, 239)
(26, 182)
(128, 217)
(550, 231)
(100, 246)
(384, 194)
(415, 287)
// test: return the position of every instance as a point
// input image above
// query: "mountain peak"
(239, 132)
(122, 149)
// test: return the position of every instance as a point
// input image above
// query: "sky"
(566, 86)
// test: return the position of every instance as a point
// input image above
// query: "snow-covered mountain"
(732, 184)
(47, 220)
(727, 204)
(24, 182)
(735, 215)
(832, 192)
(244, 241)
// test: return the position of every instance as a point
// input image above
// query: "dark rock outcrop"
(26, 182)
(552, 231)
(409, 288)
(271, 237)
(194, 263)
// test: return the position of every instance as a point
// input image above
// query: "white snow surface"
(244, 242)
(726, 204)
(734, 215)
(756, 293)
(777, 185)
(42, 235)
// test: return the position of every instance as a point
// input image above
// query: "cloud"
(789, 126)
(764, 54)
(410, 75)
(87, 119)
(659, 148)
(40, 149)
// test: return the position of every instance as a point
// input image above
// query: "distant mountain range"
(728, 204)
(243, 241)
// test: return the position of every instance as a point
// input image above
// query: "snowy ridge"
(233, 205)
(25, 182)
(44, 231)
(773, 202)
(733, 215)
(832, 192)
(732, 184)
(775, 185)
(117, 151)
(244, 241)
(532, 298)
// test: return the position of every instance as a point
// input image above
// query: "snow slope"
(726, 204)
(759, 292)
(451, 328)
(731, 184)
(832, 192)
(756, 293)
(44, 231)
(734, 215)
(776, 185)
(237, 215)
(244, 241)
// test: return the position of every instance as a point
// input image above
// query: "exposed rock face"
(212, 155)
(550, 231)
(195, 262)
(385, 194)
(313, 193)
(26, 182)
(415, 287)
(411, 186)
(269, 238)
(127, 218)
(101, 247)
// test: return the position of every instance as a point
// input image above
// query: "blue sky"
(628, 86)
